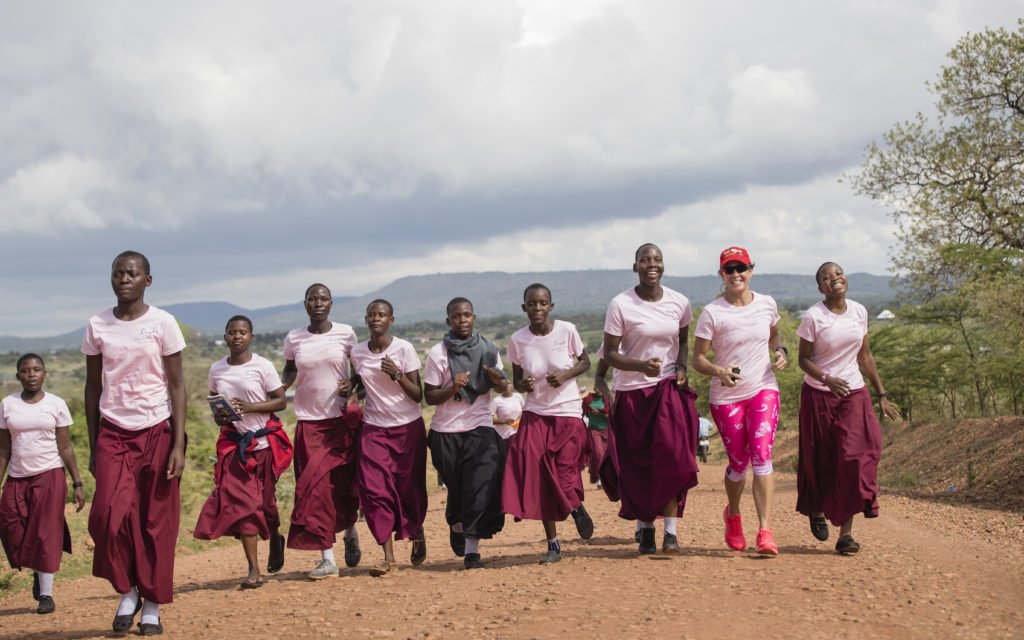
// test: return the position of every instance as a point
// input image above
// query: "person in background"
(36, 454)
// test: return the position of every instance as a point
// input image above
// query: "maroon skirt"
(598, 446)
(244, 503)
(326, 499)
(135, 511)
(33, 530)
(542, 470)
(393, 480)
(840, 446)
(655, 443)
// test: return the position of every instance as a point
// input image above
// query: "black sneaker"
(46, 605)
(846, 545)
(472, 561)
(584, 524)
(670, 545)
(35, 586)
(275, 559)
(636, 535)
(647, 544)
(352, 553)
(819, 527)
(553, 555)
(458, 542)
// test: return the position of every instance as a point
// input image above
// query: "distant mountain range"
(494, 293)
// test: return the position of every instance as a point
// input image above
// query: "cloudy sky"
(250, 148)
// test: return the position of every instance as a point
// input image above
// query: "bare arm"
(600, 384)
(866, 362)
(5, 452)
(67, 456)
(682, 377)
(288, 374)
(439, 395)
(703, 365)
(779, 351)
(93, 391)
(275, 402)
(521, 383)
(650, 367)
(558, 378)
(839, 387)
(176, 389)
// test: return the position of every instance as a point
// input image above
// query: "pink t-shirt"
(322, 360)
(135, 395)
(505, 409)
(386, 403)
(251, 382)
(837, 340)
(33, 429)
(739, 336)
(539, 355)
(648, 330)
(454, 416)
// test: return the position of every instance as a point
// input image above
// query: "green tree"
(956, 186)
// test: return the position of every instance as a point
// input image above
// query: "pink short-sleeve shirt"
(251, 382)
(454, 416)
(322, 360)
(648, 330)
(837, 340)
(505, 409)
(386, 404)
(539, 355)
(33, 429)
(739, 336)
(135, 394)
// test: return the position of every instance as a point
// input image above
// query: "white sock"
(646, 525)
(150, 613)
(639, 525)
(352, 533)
(670, 525)
(45, 583)
(328, 554)
(472, 545)
(128, 602)
(553, 541)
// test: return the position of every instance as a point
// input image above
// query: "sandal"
(251, 584)
(819, 526)
(383, 569)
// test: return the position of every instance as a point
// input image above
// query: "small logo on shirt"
(148, 334)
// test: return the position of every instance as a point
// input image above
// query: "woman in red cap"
(840, 439)
(741, 327)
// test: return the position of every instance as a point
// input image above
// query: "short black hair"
(455, 301)
(314, 286)
(26, 357)
(639, 250)
(132, 254)
(391, 309)
(536, 285)
(824, 265)
(238, 318)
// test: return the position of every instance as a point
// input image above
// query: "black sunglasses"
(739, 268)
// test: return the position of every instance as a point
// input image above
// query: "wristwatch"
(396, 376)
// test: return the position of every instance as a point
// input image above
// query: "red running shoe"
(734, 531)
(766, 543)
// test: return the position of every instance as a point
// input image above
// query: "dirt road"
(925, 571)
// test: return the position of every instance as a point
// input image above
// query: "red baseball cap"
(734, 254)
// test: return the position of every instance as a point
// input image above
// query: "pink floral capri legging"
(748, 428)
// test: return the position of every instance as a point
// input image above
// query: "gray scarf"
(471, 354)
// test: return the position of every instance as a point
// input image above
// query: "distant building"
(885, 315)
